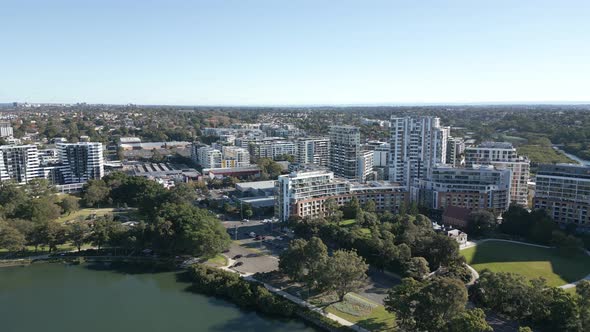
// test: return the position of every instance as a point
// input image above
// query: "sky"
(294, 52)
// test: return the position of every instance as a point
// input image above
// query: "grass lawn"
(83, 214)
(218, 260)
(531, 262)
(543, 154)
(348, 223)
(356, 309)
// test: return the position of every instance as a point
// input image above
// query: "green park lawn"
(529, 261)
(218, 260)
(83, 214)
(368, 314)
(351, 222)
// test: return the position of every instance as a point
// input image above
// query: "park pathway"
(293, 298)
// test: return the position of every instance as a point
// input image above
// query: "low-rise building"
(304, 193)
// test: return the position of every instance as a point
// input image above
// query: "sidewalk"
(294, 299)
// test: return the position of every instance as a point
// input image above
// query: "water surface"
(63, 298)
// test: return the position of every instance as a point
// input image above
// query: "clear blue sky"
(250, 52)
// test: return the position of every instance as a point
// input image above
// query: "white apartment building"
(345, 148)
(272, 149)
(365, 166)
(6, 129)
(304, 193)
(208, 157)
(474, 188)
(81, 161)
(313, 151)
(564, 191)
(234, 156)
(417, 146)
(503, 155)
(455, 151)
(19, 163)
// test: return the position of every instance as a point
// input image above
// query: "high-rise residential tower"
(313, 151)
(345, 148)
(503, 155)
(81, 161)
(417, 146)
(19, 163)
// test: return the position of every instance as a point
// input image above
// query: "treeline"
(28, 214)
(253, 296)
(170, 224)
(404, 244)
(533, 302)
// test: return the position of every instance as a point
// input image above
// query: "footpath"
(292, 298)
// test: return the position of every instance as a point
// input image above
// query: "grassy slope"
(83, 213)
(531, 262)
(543, 154)
(364, 312)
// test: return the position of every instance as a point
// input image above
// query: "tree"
(370, 206)
(516, 220)
(345, 272)
(78, 233)
(568, 245)
(472, 320)
(51, 234)
(305, 261)
(481, 222)
(13, 200)
(400, 300)
(269, 168)
(583, 291)
(438, 302)
(524, 329)
(351, 208)
(69, 204)
(95, 192)
(103, 230)
(11, 238)
(427, 306)
(44, 209)
(292, 261)
(417, 268)
(331, 211)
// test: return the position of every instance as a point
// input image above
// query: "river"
(573, 157)
(88, 298)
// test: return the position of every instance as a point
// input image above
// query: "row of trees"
(403, 244)
(533, 302)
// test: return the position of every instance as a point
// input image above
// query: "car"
(263, 237)
(237, 256)
(252, 234)
(258, 238)
(245, 220)
(238, 264)
(279, 238)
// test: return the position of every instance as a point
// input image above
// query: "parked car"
(237, 256)
(238, 264)
(258, 238)
(279, 238)
(252, 234)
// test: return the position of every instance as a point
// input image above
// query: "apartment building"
(234, 156)
(6, 129)
(81, 161)
(272, 149)
(304, 193)
(208, 157)
(365, 166)
(345, 147)
(564, 191)
(455, 151)
(19, 163)
(477, 187)
(417, 146)
(503, 155)
(313, 150)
